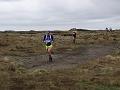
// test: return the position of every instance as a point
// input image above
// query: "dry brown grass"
(21, 44)
(100, 74)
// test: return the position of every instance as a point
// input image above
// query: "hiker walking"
(48, 40)
(107, 29)
(74, 37)
(110, 29)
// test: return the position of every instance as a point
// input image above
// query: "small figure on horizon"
(110, 29)
(48, 40)
(107, 29)
(74, 37)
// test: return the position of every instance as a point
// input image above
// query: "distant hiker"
(48, 40)
(110, 29)
(74, 37)
(107, 29)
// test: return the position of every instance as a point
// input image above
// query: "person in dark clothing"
(74, 37)
(107, 29)
(48, 40)
(110, 29)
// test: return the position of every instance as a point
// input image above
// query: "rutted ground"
(68, 59)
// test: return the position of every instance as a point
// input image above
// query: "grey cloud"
(9, 0)
(95, 13)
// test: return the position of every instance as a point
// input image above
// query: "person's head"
(48, 32)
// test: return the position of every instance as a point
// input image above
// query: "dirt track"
(68, 59)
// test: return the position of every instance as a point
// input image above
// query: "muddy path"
(67, 59)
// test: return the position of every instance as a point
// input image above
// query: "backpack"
(46, 36)
(48, 39)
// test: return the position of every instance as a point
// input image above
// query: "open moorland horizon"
(54, 29)
(59, 44)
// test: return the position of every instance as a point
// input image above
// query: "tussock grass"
(101, 74)
(30, 43)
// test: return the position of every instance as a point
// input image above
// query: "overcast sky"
(59, 14)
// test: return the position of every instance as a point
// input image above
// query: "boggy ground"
(66, 59)
(28, 49)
